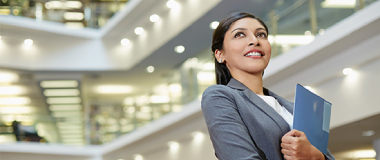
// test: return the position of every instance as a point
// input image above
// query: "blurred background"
(122, 79)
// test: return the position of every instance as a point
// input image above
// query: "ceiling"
(94, 65)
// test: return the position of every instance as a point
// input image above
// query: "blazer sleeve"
(228, 133)
(329, 156)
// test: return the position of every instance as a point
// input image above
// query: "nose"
(253, 41)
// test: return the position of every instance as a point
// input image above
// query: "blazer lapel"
(261, 104)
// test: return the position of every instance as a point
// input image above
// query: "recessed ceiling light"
(139, 30)
(308, 33)
(28, 42)
(368, 133)
(124, 42)
(154, 18)
(179, 49)
(172, 4)
(347, 71)
(173, 145)
(198, 136)
(138, 157)
(214, 25)
(150, 69)
(321, 31)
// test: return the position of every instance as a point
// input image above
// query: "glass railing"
(291, 24)
(295, 23)
(74, 14)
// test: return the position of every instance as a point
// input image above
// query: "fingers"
(295, 133)
(289, 137)
(287, 157)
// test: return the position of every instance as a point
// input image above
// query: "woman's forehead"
(247, 23)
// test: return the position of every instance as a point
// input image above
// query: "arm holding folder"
(311, 127)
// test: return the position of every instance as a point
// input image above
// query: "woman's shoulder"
(217, 96)
(218, 89)
(218, 92)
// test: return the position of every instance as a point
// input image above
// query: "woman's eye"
(262, 35)
(239, 34)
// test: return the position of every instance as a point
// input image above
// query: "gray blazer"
(236, 116)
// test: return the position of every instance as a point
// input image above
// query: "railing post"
(273, 20)
(313, 17)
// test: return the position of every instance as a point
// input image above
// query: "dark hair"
(222, 73)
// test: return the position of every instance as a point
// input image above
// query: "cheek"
(267, 48)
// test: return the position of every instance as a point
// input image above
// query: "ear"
(219, 55)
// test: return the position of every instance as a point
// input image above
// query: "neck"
(253, 81)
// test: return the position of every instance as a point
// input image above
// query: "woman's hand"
(296, 146)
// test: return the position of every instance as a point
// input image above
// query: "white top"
(281, 110)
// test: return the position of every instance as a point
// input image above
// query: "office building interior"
(123, 79)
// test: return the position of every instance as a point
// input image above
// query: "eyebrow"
(246, 29)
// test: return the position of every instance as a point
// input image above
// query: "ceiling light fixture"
(61, 92)
(64, 100)
(124, 42)
(114, 89)
(214, 25)
(308, 33)
(321, 31)
(129, 109)
(179, 49)
(159, 99)
(154, 18)
(74, 25)
(368, 133)
(73, 15)
(338, 4)
(7, 77)
(138, 157)
(198, 136)
(11, 90)
(59, 84)
(16, 110)
(129, 101)
(68, 107)
(172, 4)
(347, 71)
(173, 145)
(150, 69)
(28, 42)
(14, 100)
(139, 30)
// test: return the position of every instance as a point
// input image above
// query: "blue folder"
(312, 116)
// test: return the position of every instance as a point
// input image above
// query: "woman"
(245, 120)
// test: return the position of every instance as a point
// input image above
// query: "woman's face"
(246, 47)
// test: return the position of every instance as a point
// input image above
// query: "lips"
(254, 53)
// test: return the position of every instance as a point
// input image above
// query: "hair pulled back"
(222, 73)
